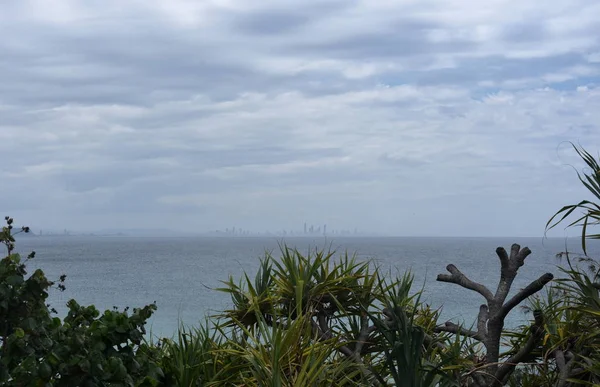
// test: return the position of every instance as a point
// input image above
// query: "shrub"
(85, 349)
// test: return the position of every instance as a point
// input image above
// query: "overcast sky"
(419, 117)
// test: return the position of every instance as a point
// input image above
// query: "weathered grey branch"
(428, 341)
(388, 317)
(565, 362)
(563, 369)
(480, 378)
(537, 333)
(490, 320)
(322, 335)
(450, 327)
(457, 277)
(518, 255)
(504, 260)
(322, 319)
(509, 268)
(363, 335)
(325, 334)
(529, 290)
(559, 356)
(482, 319)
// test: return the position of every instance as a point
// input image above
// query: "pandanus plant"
(336, 318)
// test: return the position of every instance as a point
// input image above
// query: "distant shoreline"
(280, 236)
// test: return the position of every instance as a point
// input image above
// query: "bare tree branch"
(490, 320)
(518, 255)
(323, 324)
(363, 335)
(482, 319)
(537, 333)
(457, 277)
(451, 327)
(372, 329)
(429, 340)
(480, 378)
(509, 269)
(531, 289)
(325, 334)
(563, 372)
(559, 356)
(514, 250)
(504, 260)
(566, 363)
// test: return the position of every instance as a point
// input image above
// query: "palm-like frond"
(276, 355)
(248, 296)
(409, 355)
(571, 315)
(591, 210)
(191, 358)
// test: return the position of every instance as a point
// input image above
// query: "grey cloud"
(282, 21)
(495, 68)
(407, 38)
(148, 61)
(21, 196)
(143, 71)
(270, 22)
(201, 159)
(521, 32)
(139, 115)
(122, 166)
(131, 68)
(402, 161)
(101, 177)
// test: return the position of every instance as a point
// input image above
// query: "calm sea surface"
(180, 273)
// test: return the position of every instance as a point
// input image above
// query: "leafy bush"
(320, 320)
(84, 349)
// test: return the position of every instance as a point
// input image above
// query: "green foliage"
(412, 358)
(591, 210)
(331, 315)
(277, 355)
(194, 357)
(581, 336)
(86, 349)
(570, 352)
(577, 311)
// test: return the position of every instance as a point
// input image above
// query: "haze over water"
(181, 273)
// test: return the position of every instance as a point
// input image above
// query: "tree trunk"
(490, 321)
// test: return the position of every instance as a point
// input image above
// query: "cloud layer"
(401, 117)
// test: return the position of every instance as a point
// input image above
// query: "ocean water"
(180, 274)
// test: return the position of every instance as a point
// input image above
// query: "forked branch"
(535, 337)
(456, 329)
(490, 320)
(526, 292)
(457, 277)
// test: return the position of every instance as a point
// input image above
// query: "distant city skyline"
(271, 232)
(309, 230)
